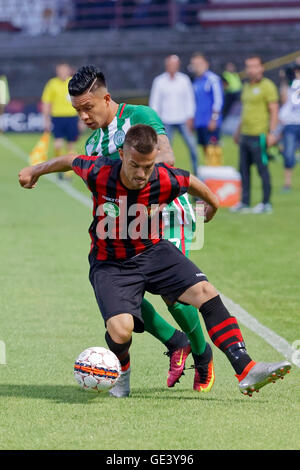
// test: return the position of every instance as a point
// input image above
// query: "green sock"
(155, 324)
(188, 319)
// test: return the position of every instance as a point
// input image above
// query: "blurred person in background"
(289, 117)
(208, 90)
(4, 95)
(232, 87)
(287, 74)
(172, 97)
(60, 117)
(257, 131)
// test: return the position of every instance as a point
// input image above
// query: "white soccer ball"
(97, 369)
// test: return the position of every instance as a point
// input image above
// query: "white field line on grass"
(276, 341)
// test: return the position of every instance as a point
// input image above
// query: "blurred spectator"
(59, 115)
(4, 94)
(37, 17)
(173, 99)
(232, 87)
(290, 119)
(208, 91)
(287, 74)
(256, 132)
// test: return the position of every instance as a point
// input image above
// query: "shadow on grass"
(160, 393)
(73, 394)
(56, 393)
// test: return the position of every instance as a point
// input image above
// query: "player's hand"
(271, 140)
(212, 125)
(190, 124)
(47, 124)
(209, 212)
(27, 178)
(236, 137)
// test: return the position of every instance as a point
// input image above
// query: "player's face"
(136, 167)
(93, 108)
(254, 69)
(63, 71)
(199, 65)
(172, 64)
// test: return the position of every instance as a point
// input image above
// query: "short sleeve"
(47, 93)
(82, 166)
(182, 178)
(271, 92)
(147, 115)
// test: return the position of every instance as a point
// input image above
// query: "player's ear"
(121, 153)
(107, 98)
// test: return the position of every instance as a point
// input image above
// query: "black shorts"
(120, 285)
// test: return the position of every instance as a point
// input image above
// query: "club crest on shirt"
(119, 137)
(111, 209)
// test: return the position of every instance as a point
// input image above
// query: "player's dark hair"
(142, 138)
(83, 79)
(199, 54)
(254, 56)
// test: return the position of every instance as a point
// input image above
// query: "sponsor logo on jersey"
(112, 199)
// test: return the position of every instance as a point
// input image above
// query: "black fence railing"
(135, 14)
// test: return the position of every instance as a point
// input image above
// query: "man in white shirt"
(289, 117)
(172, 97)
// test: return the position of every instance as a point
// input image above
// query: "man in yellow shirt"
(256, 132)
(59, 115)
(4, 94)
(232, 88)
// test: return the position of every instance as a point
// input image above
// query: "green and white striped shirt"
(107, 141)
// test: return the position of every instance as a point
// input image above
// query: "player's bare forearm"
(46, 110)
(237, 134)
(165, 153)
(273, 110)
(29, 175)
(200, 190)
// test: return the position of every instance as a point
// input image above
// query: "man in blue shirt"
(208, 89)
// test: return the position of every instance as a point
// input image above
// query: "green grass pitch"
(49, 315)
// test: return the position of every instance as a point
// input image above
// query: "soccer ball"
(97, 369)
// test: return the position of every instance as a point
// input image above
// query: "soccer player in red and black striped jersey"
(110, 122)
(128, 255)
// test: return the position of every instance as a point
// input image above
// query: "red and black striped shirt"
(127, 222)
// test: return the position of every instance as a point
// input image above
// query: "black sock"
(225, 333)
(203, 358)
(177, 340)
(120, 350)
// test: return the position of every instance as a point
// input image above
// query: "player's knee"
(206, 291)
(120, 327)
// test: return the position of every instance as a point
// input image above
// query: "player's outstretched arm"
(29, 175)
(199, 189)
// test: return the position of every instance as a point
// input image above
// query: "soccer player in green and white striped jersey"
(110, 121)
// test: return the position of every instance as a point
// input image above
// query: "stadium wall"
(132, 58)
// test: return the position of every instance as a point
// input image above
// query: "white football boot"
(122, 387)
(261, 374)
